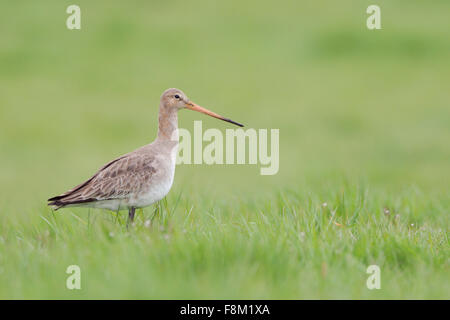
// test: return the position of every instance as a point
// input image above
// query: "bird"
(141, 177)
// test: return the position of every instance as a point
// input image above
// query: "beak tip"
(234, 122)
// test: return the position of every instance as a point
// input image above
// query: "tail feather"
(56, 204)
(62, 201)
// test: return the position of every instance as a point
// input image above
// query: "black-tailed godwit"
(142, 177)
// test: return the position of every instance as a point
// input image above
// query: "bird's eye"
(177, 96)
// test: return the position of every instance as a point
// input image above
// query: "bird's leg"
(131, 215)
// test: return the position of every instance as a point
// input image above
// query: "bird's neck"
(168, 124)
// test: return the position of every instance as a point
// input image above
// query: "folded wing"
(118, 179)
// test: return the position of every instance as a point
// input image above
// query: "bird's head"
(176, 99)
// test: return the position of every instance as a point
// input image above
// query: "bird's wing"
(115, 180)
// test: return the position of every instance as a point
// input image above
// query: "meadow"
(364, 122)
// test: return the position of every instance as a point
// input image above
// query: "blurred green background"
(354, 106)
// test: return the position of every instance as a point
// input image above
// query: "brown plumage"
(118, 179)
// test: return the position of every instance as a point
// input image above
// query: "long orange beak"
(192, 106)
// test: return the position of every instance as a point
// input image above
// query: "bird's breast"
(160, 183)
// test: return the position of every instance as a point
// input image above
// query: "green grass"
(364, 127)
(288, 246)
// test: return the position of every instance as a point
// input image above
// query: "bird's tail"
(62, 201)
(56, 202)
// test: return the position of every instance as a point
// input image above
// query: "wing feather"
(117, 179)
